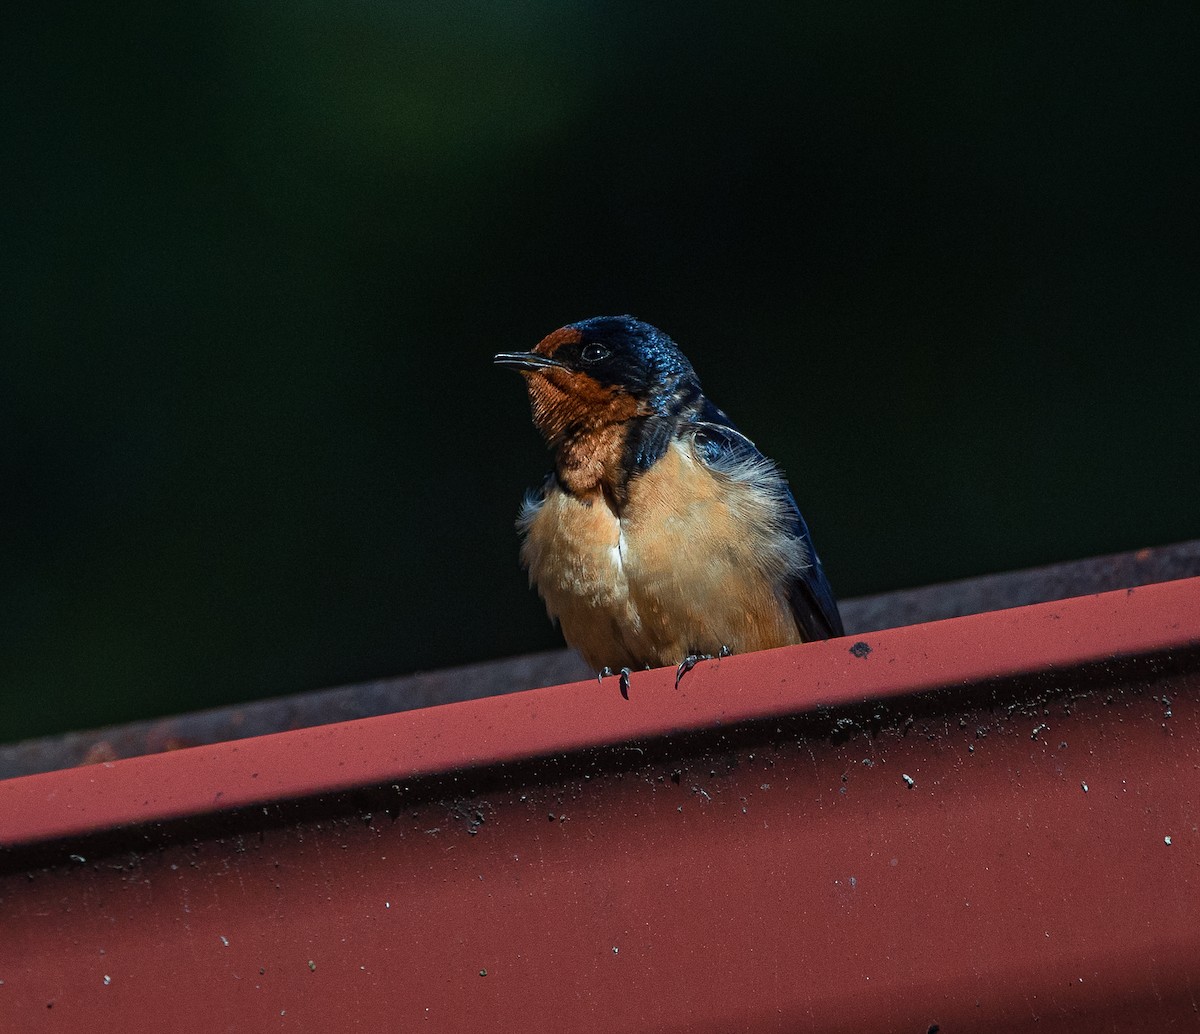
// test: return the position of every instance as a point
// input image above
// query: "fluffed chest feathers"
(696, 559)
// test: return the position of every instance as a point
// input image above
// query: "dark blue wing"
(811, 598)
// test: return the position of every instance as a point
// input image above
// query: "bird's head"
(601, 372)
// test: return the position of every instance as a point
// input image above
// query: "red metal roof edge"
(262, 717)
(569, 718)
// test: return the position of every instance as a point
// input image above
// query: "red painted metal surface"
(553, 667)
(983, 824)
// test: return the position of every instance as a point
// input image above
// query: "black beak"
(525, 360)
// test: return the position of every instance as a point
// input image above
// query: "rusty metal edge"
(555, 667)
(477, 734)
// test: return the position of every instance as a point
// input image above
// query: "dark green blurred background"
(941, 261)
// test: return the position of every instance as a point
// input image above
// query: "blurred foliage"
(941, 261)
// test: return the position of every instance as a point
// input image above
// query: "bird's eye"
(594, 353)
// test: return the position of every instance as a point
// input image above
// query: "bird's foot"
(692, 659)
(624, 674)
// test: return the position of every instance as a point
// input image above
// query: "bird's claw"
(686, 665)
(692, 659)
(624, 674)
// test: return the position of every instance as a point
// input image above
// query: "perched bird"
(663, 536)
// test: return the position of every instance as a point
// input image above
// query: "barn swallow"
(663, 536)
